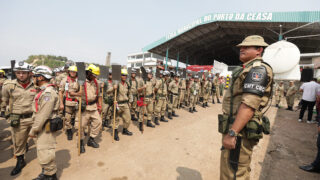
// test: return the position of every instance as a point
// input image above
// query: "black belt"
(149, 96)
(25, 116)
(93, 102)
(123, 102)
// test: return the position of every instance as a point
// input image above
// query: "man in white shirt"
(309, 91)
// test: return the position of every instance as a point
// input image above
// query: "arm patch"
(256, 81)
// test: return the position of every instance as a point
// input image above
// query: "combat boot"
(82, 149)
(162, 119)
(69, 134)
(190, 110)
(92, 143)
(203, 105)
(174, 114)
(19, 166)
(213, 101)
(169, 116)
(133, 118)
(140, 126)
(156, 121)
(52, 177)
(40, 176)
(194, 109)
(116, 137)
(149, 124)
(73, 121)
(181, 105)
(207, 104)
(106, 123)
(218, 100)
(125, 131)
(290, 108)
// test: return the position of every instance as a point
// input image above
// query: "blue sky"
(85, 30)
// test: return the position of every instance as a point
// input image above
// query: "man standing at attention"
(242, 107)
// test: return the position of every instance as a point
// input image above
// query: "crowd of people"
(38, 97)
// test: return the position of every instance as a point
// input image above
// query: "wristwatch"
(232, 133)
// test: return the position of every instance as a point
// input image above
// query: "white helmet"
(22, 66)
(148, 71)
(166, 73)
(43, 71)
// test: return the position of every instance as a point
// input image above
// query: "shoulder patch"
(256, 81)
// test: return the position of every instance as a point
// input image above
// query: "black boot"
(82, 149)
(133, 118)
(181, 105)
(207, 104)
(149, 124)
(19, 166)
(290, 108)
(203, 105)
(194, 109)
(116, 137)
(52, 177)
(174, 114)
(140, 126)
(169, 116)
(277, 105)
(218, 101)
(156, 121)
(40, 176)
(92, 143)
(69, 134)
(73, 121)
(213, 101)
(162, 119)
(190, 110)
(125, 131)
(106, 123)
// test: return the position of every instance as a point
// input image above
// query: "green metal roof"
(262, 17)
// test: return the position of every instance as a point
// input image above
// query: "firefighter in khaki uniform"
(279, 93)
(161, 97)
(18, 95)
(194, 92)
(45, 107)
(216, 92)
(108, 101)
(182, 88)
(91, 115)
(290, 95)
(133, 83)
(148, 90)
(205, 90)
(2, 80)
(69, 89)
(122, 103)
(242, 107)
(173, 96)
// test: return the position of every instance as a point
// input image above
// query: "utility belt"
(72, 99)
(15, 119)
(176, 94)
(92, 102)
(253, 129)
(149, 96)
(123, 102)
(162, 95)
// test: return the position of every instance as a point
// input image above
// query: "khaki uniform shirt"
(291, 91)
(133, 86)
(21, 97)
(92, 94)
(173, 87)
(161, 86)
(182, 84)
(252, 100)
(280, 90)
(194, 88)
(47, 108)
(68, 85)
(122, 92)
(149, 88)
(59, 78)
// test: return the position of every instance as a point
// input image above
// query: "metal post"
(187, 61)
(280, 34)
(177, 61)
(167, 54)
